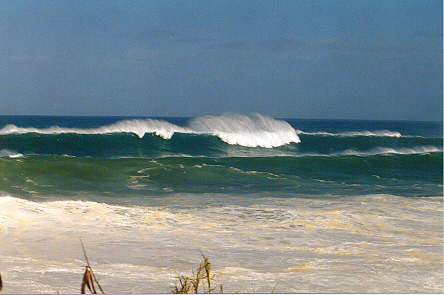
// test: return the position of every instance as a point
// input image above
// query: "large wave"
(228, 135)
(250, 131)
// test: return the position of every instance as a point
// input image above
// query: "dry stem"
(188, 283)
(88, 277)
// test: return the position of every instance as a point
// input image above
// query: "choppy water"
(295, 205)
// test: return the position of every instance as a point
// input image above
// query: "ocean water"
(286, 205)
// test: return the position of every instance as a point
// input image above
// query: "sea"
(275, 205)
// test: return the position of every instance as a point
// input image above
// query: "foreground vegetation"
(184, 284)
(200, 280)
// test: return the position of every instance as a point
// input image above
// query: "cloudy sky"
(331, 59)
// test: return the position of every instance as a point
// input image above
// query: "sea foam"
(139, 127)
(401, 151)
(251, 131)
(10, 154)
(380, 133)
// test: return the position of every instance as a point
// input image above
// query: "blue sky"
(286, 59)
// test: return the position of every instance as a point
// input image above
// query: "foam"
(9, 153)
(250, 131)
(379, 133)
(136, 248)
(139, 127)
(401, 151)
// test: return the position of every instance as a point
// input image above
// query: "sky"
(323, 59)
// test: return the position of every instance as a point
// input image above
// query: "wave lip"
(161, 128)
(249, 131)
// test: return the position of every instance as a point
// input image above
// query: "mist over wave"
(253, 131)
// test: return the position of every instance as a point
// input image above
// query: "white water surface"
(357, 244)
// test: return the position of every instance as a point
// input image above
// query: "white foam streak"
(249, 131)
(401, 151)
(381, 133)
(9, 153)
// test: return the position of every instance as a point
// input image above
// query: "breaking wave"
(228, 135)
(253, 131)
(234, 129)
(10, 154)
(161, 128)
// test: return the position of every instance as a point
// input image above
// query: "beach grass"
(89, 279)
(200, 280)
(202, 277)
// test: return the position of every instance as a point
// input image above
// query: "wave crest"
(234, 129)
(250, 131)
(161, 128)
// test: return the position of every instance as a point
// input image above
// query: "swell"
(228, 135)
(397, 174)
(110, 145)
(117, 145)
(360, 144)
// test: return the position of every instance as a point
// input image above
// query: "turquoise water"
(304, 204)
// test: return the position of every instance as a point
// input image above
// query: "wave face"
(118, 138)
(305, 176)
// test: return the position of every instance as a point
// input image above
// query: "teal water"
(269, 200)
(324, 158)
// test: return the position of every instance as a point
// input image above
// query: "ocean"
(283, 205)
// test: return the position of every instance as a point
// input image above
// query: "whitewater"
(290, 205)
